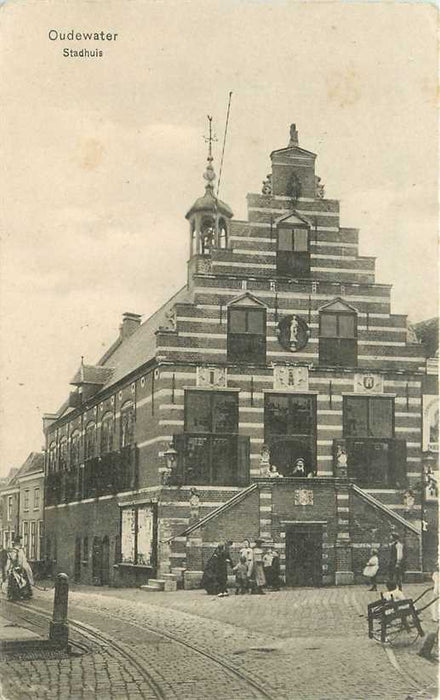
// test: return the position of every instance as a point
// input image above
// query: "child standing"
(241, 576)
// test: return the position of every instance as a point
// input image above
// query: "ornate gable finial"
(209, 174)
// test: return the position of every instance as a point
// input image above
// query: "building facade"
(275, 395)
(22, 508)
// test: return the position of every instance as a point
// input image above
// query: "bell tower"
(208, 217)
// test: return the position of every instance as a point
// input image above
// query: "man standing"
(396, 564)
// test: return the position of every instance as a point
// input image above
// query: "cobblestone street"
(305, 643)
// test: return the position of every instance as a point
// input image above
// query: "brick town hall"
(274, 396)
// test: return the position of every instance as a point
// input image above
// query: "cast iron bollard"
(59, 627)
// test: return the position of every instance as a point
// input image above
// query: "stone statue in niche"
(293, 333)
(293, 188)
(265, 461)
(319, 188)
(409, 500)
(194, 505)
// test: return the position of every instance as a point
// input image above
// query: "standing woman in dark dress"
(215, 574)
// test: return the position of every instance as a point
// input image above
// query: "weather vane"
(209, 139)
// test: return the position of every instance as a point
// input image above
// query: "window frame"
(36, 498)
(339, 341)
(368, 399)
(289, 261)
(232, 352)
(312, 436)
(107, 418)
(128, 409)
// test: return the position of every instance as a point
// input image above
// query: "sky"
(101, 158)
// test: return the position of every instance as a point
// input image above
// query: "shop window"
(290, 433)
(293, 253)
(127, 425)
(247, 334)
(107, 429)
(138, 536)
(338, 337)
(10, 503)
(33, 542)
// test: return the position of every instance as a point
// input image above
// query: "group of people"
(17, 576)
(396, 568)
(256, 569)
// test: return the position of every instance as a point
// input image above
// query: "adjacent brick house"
(22, 508)
(280, 350)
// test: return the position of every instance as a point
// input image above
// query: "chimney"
(293, 136)
(130, 323)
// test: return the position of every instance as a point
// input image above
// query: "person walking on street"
(257, 576)
(371, 569)
(275, 570)
(241, 576)
(267, 567)
(397, 560)
(248, 552)
(19, 573)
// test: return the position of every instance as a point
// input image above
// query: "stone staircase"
(167, 584)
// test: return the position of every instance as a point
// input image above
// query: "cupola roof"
(209, 202)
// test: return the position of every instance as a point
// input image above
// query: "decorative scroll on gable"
(212, 376)
(291, 378)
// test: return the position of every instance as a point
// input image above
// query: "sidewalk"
(12, 632)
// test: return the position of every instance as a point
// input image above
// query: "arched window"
(338, 335)
(127, 424)
(107, 429)
(63, 454)
(75, 449)
(52, 463)
(207, 235)
(90, 441)
(222, 235)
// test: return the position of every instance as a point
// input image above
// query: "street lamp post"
(170, 456)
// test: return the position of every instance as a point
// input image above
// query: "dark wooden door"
(77, 564)
(105, 565)
(97, 561)
(304, 556)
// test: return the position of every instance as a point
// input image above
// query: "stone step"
(157, 583)
(151, 589)
(169, 577)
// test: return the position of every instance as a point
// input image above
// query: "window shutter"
(399, 463)
(243, 460)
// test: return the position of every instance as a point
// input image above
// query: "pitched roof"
(33, 463)
(92, 374)
(139, 347)
(427, 334)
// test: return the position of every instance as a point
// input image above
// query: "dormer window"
(247, 331)
(338, 335)
(293, 247)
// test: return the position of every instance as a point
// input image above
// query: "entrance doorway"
(77, 564)
(97, 561)
(304, 554)
(105, 565)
